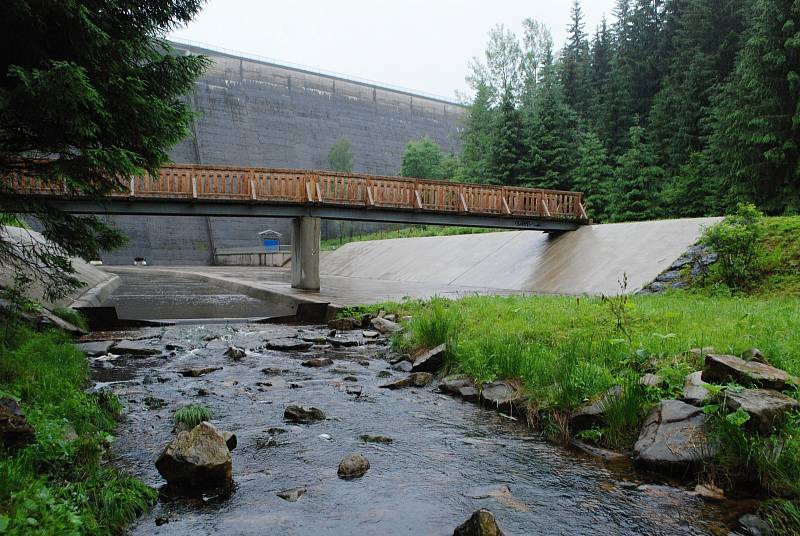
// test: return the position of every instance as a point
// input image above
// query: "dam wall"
(261, 114)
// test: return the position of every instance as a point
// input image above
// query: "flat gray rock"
(430, 361)
(673, 437)
(694, 392)
(592, 414)
(726, 368)
(136, 348)
(95, 349)
(288, 345)
(415, 379)
(501, 394)
(767, 409)
(292, 495)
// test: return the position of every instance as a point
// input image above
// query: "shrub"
(737, 242)
(192, 415)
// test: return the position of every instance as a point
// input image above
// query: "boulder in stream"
(318, 362)
(303, 414)
(673, 437)
(415, 379)
(288, 345)
(196, 459)
(386, 327)
(480, 523)
(728, 368)
(344, 324)
(353, 466)
(235, 353)
(135, 348)
(460, 385)
(430, 360)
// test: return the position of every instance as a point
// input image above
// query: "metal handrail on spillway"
(196, 183)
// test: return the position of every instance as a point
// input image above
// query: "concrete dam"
(260, 114)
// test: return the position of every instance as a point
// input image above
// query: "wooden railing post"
(194, 186)
(370, 199)
(132, 179)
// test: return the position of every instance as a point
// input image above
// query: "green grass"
(72, 316)
(783, 515)
(777, 271)
(192, 415)
(569, 350)
(12, 220)
(59, 484)
(780, 273)
(408, 232)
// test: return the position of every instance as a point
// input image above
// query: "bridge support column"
(305, 253)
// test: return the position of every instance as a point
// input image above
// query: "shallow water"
(448, 457)
(158, 296)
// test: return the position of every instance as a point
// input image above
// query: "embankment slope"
(590, 260)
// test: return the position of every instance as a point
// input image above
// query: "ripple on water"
(448, 458)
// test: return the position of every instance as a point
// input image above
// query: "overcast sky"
(423, 45)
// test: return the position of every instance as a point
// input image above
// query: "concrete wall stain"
(254, 113)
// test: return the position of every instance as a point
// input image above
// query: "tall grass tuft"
(434, 326)
(192, 415)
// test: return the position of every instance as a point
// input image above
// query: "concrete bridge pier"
(305, 252)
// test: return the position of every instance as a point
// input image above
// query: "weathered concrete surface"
(255, 113)
(305, 253)
(590, 260)
(98, 284)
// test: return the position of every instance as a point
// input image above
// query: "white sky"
(423, 45)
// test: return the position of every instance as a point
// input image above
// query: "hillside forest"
(671, 108)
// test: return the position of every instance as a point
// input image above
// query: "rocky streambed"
(433, 459)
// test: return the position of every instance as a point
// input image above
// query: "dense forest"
(673, 108)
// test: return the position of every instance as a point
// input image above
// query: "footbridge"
(308, 196)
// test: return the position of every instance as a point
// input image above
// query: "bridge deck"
(183, 189)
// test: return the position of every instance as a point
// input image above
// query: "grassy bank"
(568, 351)
(408, 232)
(775, 270)
(59, 484)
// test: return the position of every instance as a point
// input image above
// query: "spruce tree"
(506, 149)
(91, 95)
(575, 65)
(600, 77)
(618, 114)
(477, 138)
(756, 117)
(705, 42)
(551, 130)
(593, 176)
(637, 180)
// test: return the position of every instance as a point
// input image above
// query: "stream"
(447, 459)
